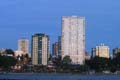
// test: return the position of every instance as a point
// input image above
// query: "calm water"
(57, 77)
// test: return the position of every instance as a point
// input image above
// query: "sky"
(23, 18)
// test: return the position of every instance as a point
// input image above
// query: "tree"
(115, 63)
(7, 61)
(99, 64)
(65, 64)
(66, 60)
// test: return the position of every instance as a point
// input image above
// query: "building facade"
(73, 38)
(7, 52)
(40, 49)
(116, 51)
(59, 45)
(23, 45)
(55, 49)
(101, 51)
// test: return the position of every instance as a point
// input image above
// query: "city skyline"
(20, 19)
(59, 39)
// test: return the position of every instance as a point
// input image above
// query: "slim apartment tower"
(55, 49)
(59, 46)
(23, 45)
(73, 38)
(40, 49)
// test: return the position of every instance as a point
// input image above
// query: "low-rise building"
(101, 51)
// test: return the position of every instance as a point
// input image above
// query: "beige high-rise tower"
(23, 45)
(40, 49)
(73, 38)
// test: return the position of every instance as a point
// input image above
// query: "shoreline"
(56, 76)
(81, 74)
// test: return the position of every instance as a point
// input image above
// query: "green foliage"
(66, 60)
(84, 68)
(65, 64)
(7, 61)
(99, 64)
(115, 63)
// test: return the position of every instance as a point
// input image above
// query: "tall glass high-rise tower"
(73, 38)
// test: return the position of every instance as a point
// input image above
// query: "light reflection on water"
(57, 77)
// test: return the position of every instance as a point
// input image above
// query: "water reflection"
(58, 77)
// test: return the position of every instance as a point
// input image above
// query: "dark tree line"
(65, 65)
(6, 62)
(100, 64)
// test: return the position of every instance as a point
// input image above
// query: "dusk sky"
(23, 18)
